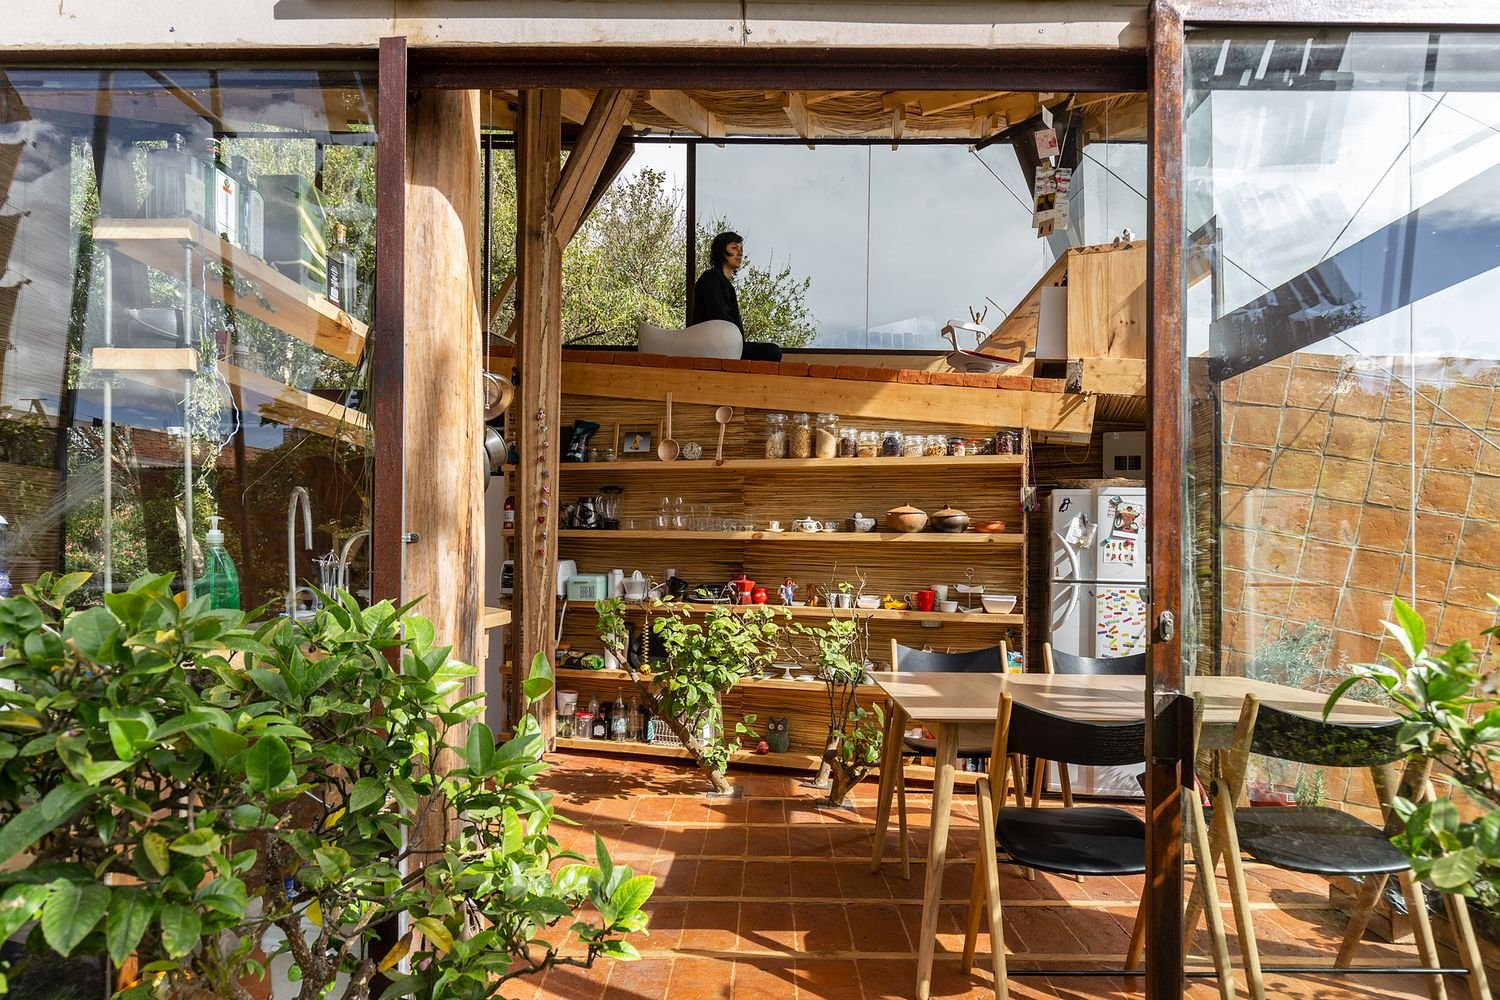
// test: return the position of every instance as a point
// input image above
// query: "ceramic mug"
(947, 607)
(941, 590)
(922, 600)
(774, 526)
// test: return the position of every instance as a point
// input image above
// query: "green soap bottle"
(220, 579)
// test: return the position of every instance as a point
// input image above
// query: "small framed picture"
(637, 440)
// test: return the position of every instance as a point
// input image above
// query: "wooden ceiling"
(873, 114)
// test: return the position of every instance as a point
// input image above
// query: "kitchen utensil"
(668, 450)
(585, 514)
(498, 392)
(723, 415)
(891, 604)
(949, 519)
(759, 595)
(922, 600)
(861, 523)
(941, 590)
(607, 506)
(744, 588)
(830, 526)
(989, 527)
(906, 518)
(999, 604)
(807, 524)
(636, 587)
(565, 569)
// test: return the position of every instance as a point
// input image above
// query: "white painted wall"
(178, 24)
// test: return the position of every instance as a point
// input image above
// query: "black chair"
(1316, 839)
(1081, 840)
(1055, 661)
(974, 741)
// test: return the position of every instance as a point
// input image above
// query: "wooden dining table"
(948, 704)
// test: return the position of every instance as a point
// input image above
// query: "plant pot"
(1262, 794)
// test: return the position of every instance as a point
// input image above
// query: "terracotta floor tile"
(887, 979)
(877, 928)
(615, 807)
(807, 841)
(951, 922)
(725, 841)
(710, 926)
(854, 842)
(683, 842)
(828, 979)
(856, 881)
(690, 809)
(570, 983)
(765, 811)
(646, 979)
(667, 918)
(814, 880)
(719, 878)
(769, 842)
(701, 979)
(675, 876)
(653, 808)
(767, 927)
(768, 880)
(821, 928)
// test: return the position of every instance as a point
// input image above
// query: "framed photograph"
(637, 439)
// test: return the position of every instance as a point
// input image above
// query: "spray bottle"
(220, 579)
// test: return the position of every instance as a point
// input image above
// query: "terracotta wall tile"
(1431, 578)
(1454, 448)
(1334, 520)
(1360, 395)
(1371, 569)
(1390, 486)
(1274, 554)
(1459, 622)
(1437, 535)
(1470, 585)
(1266, 384)
(1325, 562)
(1479, 544)
(1312, 388)
(1384, 528)
(1314, 602)
(1246, 466)
(1395, 444)
(1362, 611)
(1459, 404)
(1343, 478)
(1295, 470)
(1353, 437)
(1269, 599)
(1349, 646)
(1484, 500)
(1444, 492)
(1303, 430)
(1255, 425)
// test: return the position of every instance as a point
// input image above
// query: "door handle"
(1166, 626)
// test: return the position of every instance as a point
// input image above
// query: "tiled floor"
(769, 896)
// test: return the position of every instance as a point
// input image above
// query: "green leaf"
(130, 729)
(155, 846)
(1455, 872)
(333, 861)
(1409, 629)
(601, 853)
(405, 795)
(95, 633)
(268, 764)
(367, 792)
(622, 951)
(539, 681)
(480, 750)
(632, 895)
(272, 683)
(197, 843)
(19, 904)
(180, 929)
(71, 913)
(130, 912)
(435, 932)
(36, 821)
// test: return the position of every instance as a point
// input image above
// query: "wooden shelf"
(1007, 539)
(493, 617)
(164, 367)
(296, 407)
(961, 618)
(248, 283)
(771, 683)
(806, 761)
(831, 466)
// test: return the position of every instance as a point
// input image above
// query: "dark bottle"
(601, 723)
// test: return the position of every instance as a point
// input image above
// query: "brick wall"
(1342, 487)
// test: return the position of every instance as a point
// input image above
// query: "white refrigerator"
(1097, 594)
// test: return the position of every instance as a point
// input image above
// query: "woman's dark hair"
(719, 252)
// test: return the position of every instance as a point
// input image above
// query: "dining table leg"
(890, 773)
(937, 852)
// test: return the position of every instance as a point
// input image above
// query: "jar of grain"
(848, 442)
(799, 436)
(936, 445)
(956, 446)
(776, 435)
(826, 436)
(869, 444)
(913, 444)
(890, 444)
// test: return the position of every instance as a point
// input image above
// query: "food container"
(912, 445)
(999, 604)
(799, 436)
(906, 518)
(826, 436)
(869, 444)
(989, 527)
(869, 602)
(848, 442)
(936, 445)
(957, 446)
(776, 435)
(949, 519)
(861, 523)
(972, 446)
(890, 444)
(807, 524)
(1007, 443)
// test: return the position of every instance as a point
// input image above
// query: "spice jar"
(957, 446)
(848, 442)
(869, 444)
(776, 435)
(826, 436)
(973, 447)
(936, 445)
(799, 437)
(913, 444)
(890, 444)
(1005, 442)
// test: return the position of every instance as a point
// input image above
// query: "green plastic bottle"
(220, 579)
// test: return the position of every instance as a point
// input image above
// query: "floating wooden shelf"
(798, 761)
(831, 466)
(248, 283)
(493, 617)
(1008, 540)
(164, 367)
(296, 407)
(962, 618)
(773, 683)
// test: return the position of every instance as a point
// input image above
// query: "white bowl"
(999, 604)
(868, 603)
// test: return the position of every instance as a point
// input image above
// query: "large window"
(186, 262)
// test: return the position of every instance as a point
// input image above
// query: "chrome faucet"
(343, 564)
(299, 494)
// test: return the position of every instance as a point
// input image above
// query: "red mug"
(759, 595)
(922, 600)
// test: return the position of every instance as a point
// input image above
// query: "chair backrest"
(714, 338)
(1071, 741)
(989, 660)
(1097, 666)
(1287, 736)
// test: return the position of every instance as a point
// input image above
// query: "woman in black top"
(714, 296)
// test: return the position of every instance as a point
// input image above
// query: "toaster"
(588, 587)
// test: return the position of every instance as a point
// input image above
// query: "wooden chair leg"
(1137, 949)
(1207, 896)
(1468, 946)
(1364, 907)
(1421, 926)
(1018, 783)
(1038, 778)
(990, 865)
(1066, 784)
(901, 821)
(1240, 894)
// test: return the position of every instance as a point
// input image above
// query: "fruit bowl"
(999, 604)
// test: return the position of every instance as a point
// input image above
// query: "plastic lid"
(214, 536)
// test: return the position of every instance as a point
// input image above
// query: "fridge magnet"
(1127, 518)
(1081, 531)
(1119, 550)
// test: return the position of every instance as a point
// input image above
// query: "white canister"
(617, 583)
(567, 702)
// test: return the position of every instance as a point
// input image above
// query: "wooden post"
(444, 419)
(539, 363)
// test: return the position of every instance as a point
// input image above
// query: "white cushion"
(714, 338)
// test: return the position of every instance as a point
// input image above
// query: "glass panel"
(186, 267)
(1342, 358)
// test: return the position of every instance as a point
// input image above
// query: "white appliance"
(1097, 594)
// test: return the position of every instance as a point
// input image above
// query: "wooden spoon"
(723, 415)
(668, 450)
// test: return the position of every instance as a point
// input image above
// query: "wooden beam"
(539, 359)
(586, 161)
(685, 111)
(1114, 376)
(442, 438)
(797, 113)
(1041, 411)
(934, 102)
(576, 105)
(815, 97)
(620, 155)
(898, 125)
(1015, 107)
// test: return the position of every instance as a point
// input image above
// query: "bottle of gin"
(226, 192)
(341, 275)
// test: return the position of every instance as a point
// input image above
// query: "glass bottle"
(776, 435)
(637, 720)
(226, 194)
(601, 721)
(826, 436)
(340, 269)
(799, 437)
(252, 211)
(619, 722)
(178, 183)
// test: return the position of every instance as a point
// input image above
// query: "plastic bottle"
(220, 579)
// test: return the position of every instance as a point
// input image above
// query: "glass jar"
(826, 436)
(776, 435)
(936, 445)
(848, 442)
(799, 436)
(912, 445)
(1006, 442)
(973, 446)
(957, 446)
(890, 444)
(869, 444)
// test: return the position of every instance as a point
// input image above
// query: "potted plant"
(1447, 704)
(184, 784)
(703, 657)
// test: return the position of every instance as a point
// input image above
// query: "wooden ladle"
(668, 450)
(723, 415)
